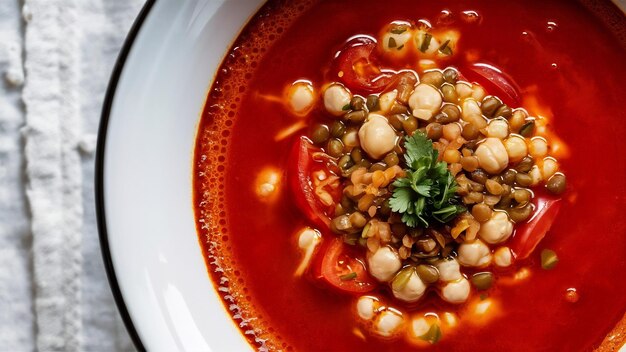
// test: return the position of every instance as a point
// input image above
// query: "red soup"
(383, 176)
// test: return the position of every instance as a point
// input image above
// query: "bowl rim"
(108, 101)
(99, 172)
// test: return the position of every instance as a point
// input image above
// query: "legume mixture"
(428, 175)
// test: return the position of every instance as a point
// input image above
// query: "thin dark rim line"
(99, 173)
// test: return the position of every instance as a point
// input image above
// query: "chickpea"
(389, 322)
(456, 292)
(386, 100)
(502, 257)
(432, 46)
(470, 107)
(449, 269)
(516, 148)
(535, 176)
(497, 229)
(377, 137)
(471, 113)
(492, 156)
(395, 43)
(474, 254)
(538, 147)
(464, 90)
(336, 98)
(549, 167)
(366, 307)
(518, 119)
(384, 263)
(498, 128)
(413, 290)
(425, 101)
(300, 97)
(478, 92)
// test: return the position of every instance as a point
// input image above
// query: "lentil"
(450, 75)
(434, 131)
(489, 105)
(372, 103)
(449, 93)
(434, 78)
(523, 179)
(320, 134)
(337, 129)
(481, 212)
(557, 184)
(335, 148)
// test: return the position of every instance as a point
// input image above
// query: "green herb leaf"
(433, 335)
(426, 42)
(398, 30)
(445, 49)
(427, 193)
(348, 277)
(346, 107)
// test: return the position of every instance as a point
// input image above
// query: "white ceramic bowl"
(144, 162)
(144, 189)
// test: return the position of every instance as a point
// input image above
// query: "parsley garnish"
(427, 192)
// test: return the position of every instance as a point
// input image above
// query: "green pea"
(320, 134)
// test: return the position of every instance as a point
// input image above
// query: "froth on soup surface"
(567, 59)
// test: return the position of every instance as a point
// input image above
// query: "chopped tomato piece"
(343, 267)
(528, 235)
(314, 182)
(495, 81)
(356, 66)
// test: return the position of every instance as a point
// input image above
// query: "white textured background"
(55, 60)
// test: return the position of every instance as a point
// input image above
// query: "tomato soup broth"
(569, 66)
